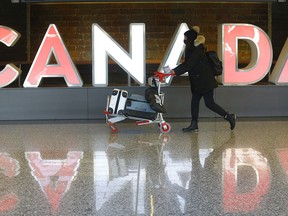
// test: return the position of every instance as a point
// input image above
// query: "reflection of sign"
(8, 165)
(283, 158)
(235, 200)
(54, 176)
(134, 61)
(8, 202)
(10, 168)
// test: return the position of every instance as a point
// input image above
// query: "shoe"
(231, 118)
(192, 127)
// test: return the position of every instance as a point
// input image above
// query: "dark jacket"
(197, 65)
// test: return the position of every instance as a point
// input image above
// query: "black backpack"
(214, 62)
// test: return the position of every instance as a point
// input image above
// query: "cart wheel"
(165, 127)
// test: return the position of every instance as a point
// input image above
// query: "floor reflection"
(54, 176)
(82, 169)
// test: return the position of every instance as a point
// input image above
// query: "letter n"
(133, 62)
(279, 74)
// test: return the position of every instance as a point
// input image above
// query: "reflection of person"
(204, 192)
(158, 185)
(201, 79)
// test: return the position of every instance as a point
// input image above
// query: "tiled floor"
(80, 168)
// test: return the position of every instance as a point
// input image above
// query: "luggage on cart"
(137, 106)
(154, 100)
(145, 110)
(117, 101)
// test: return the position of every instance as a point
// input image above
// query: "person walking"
(201, 79)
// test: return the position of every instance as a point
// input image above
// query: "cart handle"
(161, 75)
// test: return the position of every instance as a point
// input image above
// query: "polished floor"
(82, 169)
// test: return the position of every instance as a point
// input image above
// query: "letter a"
(279, 74)
(52, 44)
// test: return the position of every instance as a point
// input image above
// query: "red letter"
(261, 54)
(9, 37)
(280, 71)
(52, 44)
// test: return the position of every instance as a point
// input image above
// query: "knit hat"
(192, 33)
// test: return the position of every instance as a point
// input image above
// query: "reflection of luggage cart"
(136, 107)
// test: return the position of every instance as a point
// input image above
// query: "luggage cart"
(120, 107)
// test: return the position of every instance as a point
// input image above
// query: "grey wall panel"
(89, 103)
(178, 102)
(43, 103)
(258, 100)
(97, 98)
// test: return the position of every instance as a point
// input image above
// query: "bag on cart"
(117, 101)
(154, 100)
(137, 106)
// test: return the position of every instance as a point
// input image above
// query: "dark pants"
(209, 103)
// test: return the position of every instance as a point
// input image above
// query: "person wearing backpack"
(201, 79)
